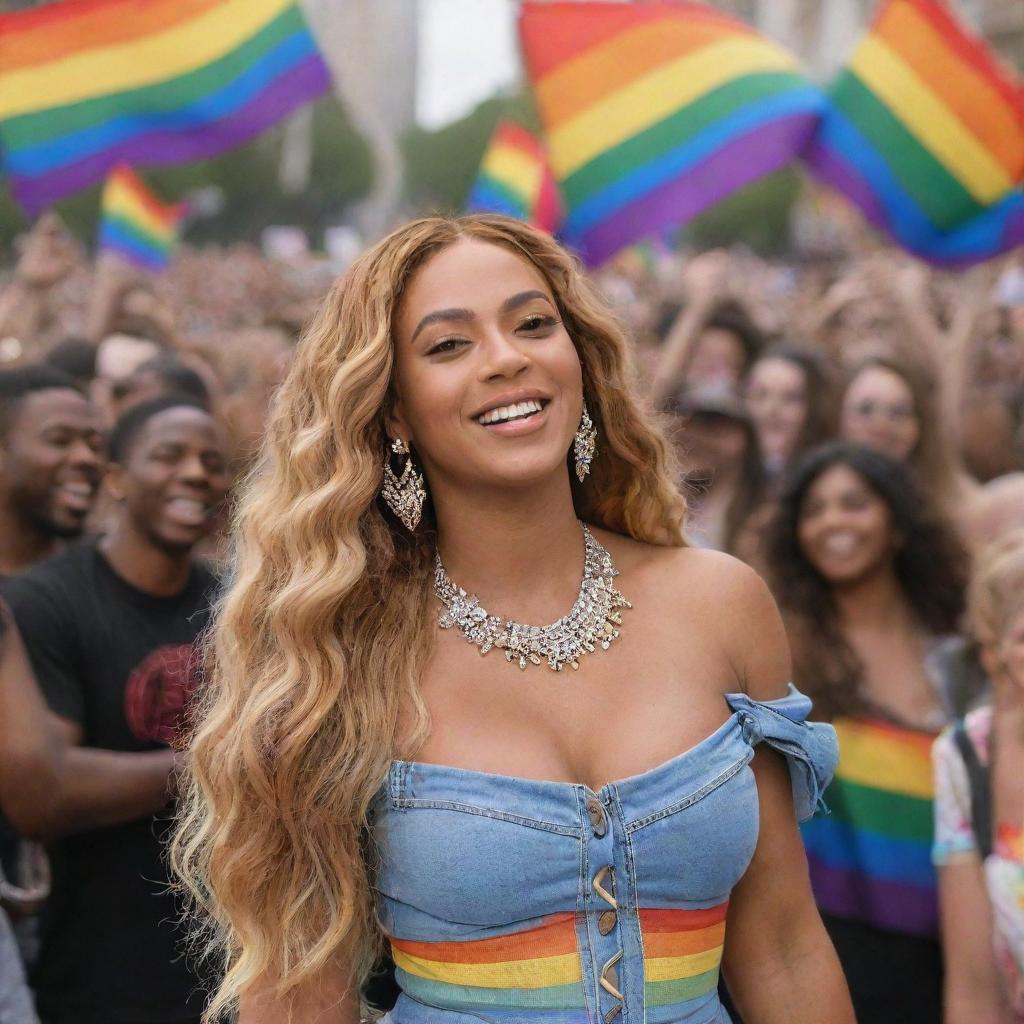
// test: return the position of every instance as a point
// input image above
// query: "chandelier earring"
(584, 444)
(404, 494)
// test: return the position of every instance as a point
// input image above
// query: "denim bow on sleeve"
(810, 748)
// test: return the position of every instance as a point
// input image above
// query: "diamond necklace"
(591, 622)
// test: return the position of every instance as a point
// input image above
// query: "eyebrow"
(462, 315)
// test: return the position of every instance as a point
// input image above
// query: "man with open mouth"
(110, 628)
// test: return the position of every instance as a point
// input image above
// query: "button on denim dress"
(509, 899)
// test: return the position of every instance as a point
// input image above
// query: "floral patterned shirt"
(1003, 868)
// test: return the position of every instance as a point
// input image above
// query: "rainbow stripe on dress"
(539, 969)
(682, 953)
(536, 969)
(870, 859)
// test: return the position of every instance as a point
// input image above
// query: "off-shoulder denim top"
(510, 899)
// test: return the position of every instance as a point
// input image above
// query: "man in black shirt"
(51, 462)
(107, 624)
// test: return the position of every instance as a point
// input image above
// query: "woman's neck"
(875, 601)
(520, 553)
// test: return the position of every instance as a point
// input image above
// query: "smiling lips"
(188, 511)
(77, 495)
(507, 413)
(840, 544)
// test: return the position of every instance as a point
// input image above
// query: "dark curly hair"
(930, 566)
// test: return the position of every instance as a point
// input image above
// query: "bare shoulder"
(724, 597)
(687, 572)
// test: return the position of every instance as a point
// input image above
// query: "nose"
(503, 357)
(83, 454)
(191, 470)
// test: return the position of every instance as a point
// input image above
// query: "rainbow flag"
(655, 111)
(136, 225)
(924, 132)
(89, 84)
(870, 859)
(515, 178)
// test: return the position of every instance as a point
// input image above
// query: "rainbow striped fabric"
(515, 178)
(88, 84)
(924, 132)
(655, 111)
(539, 970)
(870, 860)
(682, 953)
(136, 225)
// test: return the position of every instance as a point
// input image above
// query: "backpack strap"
(981, 791)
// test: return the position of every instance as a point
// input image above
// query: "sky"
(468, 52)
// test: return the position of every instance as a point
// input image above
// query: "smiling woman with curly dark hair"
(869, 579)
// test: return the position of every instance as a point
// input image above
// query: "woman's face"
(1010, 649)
(878, 411)
(710, 444)
(487, 381)
(718, 357)
(776, 396)
(845, 528)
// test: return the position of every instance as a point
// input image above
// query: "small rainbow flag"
(515, 178)
(136, 224)
(88, 84)
(924, 132)
(655, 111)
(870, 859)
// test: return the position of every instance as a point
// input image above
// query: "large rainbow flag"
(515, 178)
(135, 224)
(870, 858)
(88, 84)
(655, 111)
(924, 132)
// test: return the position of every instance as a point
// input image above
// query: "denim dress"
(509, 899)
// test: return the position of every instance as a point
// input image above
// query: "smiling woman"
(510, 878)
(870, 579)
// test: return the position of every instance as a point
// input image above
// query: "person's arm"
(971, 986)
(330, 998)
(779, 962)
(705, 280)
(50, 785)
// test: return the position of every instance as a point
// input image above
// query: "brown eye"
(445, 345)
(537, 323)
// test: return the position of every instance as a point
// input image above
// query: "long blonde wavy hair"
(327, 624)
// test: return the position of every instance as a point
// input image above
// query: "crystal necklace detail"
(591, 622)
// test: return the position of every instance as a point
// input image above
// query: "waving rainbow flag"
(925, 134)
(655, 111)
(137, 225)
(88, 84)
(515, 178)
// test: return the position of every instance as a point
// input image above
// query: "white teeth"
(510, 412)
(81, 489)
(187, 511)
(840, 543)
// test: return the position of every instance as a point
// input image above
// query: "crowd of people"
(850, 427)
